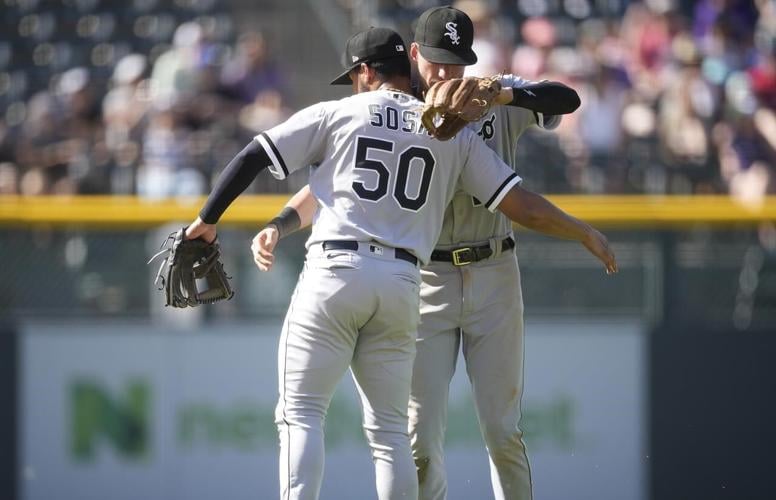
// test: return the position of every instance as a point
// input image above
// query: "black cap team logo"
(445, 36)
(452, 33)
(487, 130)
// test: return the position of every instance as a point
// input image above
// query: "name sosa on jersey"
(389, 117)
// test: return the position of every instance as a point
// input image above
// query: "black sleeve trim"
(235, 179)
(276, 153)
(499, 190)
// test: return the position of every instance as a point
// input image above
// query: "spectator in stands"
(9, 178)
(266, 111)
(81, 117)
(763, 77)
(488, 42)
(41, 147)
(252, 71)
(175, 75)
(603, 100)
(529, 59)
(686, 109)
(166, 167)
(125, 112)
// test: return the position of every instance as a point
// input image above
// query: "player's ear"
(369, 74)
(354, 80)
(414, 51)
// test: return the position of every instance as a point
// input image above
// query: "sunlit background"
(115, 116)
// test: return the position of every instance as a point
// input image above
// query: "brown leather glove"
(451, 104)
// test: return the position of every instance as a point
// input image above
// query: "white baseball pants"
(478, 306)
(350, 308)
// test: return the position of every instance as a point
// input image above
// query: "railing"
(620, 211)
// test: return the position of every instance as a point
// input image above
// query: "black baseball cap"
(373, 44)
(445, 35)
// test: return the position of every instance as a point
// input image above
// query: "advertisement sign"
(125, 411)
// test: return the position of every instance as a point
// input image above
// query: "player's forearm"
(539, 214)
(305, 205)
(235, 179)
(549, 98)
(297, 214)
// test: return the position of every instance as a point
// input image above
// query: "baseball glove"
(451, 104)
(191, 274)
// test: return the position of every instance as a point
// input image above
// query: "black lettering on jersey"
(391, 118)
(363, 145)
(377, 117)
(403, 174)
(410, 119)
(403, 167)
(476, 202)
(388, 117)
(488, 130)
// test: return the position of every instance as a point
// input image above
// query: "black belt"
(466, 255)
(399, 253)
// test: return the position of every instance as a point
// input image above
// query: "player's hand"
(598, 245)
(262, 247)
(200, 229)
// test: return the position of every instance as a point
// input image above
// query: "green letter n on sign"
(122, 419)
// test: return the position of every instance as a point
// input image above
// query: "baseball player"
(382, 185)
(471, 296)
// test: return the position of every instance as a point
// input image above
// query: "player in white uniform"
(471, 293)
(382, 185)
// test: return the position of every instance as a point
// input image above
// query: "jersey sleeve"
(515, 81)
(298, 142)
(485, 175)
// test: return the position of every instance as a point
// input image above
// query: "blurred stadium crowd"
(677, 97)
(153, 97)
(140, 97)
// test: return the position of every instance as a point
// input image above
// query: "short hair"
(394, 66)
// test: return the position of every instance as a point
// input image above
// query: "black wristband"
(286, 222)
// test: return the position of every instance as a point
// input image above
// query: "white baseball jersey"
(377, 175)
(465, 219)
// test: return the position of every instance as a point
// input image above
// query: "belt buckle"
(463, 256)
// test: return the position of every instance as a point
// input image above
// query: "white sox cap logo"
(452, 32)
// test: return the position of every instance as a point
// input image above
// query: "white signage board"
(131, 411)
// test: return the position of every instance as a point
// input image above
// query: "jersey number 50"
(364, 144)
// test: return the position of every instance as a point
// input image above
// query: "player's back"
(378, 176)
